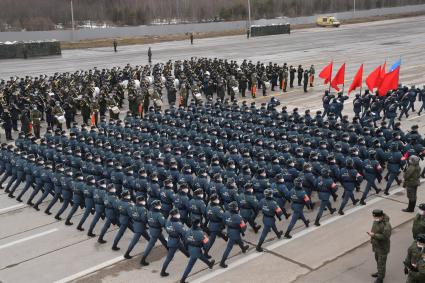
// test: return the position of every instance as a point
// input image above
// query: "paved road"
(36, 248)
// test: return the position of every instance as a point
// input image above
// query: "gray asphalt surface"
(35, 247)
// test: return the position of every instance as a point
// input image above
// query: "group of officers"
(206, 171)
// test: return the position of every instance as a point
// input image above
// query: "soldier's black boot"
(47, 212)
(287, 235)
(410, 207)
(36, 207)
(183, 280)
(11, 195)
(223, 264)
(259, 249)
(91, 234)
(127, 255)
(245, 248)
(144, 262)
(279, 234)
(211, 264)
(68, 223)
(333, 210)
(374, 274)
(362, 202)
(79, 228)
(340, 212)
(287, 215)
(101, 240)
(115, 248)
(163, 273)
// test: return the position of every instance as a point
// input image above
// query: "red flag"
(93, 119)
(326, 73)
(357, 81)
(373, 78)
(339, 78)
(381, 75)
(390, 82)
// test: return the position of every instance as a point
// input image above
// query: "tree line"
(47, 14)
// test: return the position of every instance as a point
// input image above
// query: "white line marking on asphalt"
(6, 209)
(28, 238)
(90, 270)
(413, 118)
(280, 243)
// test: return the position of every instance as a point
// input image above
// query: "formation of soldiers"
(205, 171)
(371, 108)
(56, 99)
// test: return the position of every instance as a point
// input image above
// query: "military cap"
(174, 211)
(298, 182)
(198, 192)
(233, 206)
(377, 213)
(420, 238)
(140, 198)
(125, 193)
(268, 193)
(156, 203)
(213, 197)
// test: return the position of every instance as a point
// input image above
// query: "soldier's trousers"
(136, 238)
(170, 255)
(73, 210)
(250, 221)
(65, 204)
(266, 230)
(297, 215)
(28, 183)
(12, 179)
(211, 239)
(37, 188)
(404, 111)
(47, 190)
(422, 108)
(192, 260)
(97, 215)
(381, 262)
(89, 207)
(391, 177)
(155, 236)
(348, 194)
(106, 226)
(370, 184)
(19, 179)
(120, 233)
(56, 197)
(323, 205)
(229, 247)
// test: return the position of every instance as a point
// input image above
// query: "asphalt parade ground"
(35, 247)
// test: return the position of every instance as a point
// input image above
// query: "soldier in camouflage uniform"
(35, 116)
(419, 222)
(414, 255)
(412, 177)
(380, 239)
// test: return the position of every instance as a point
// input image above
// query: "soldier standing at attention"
(36, 120)
(419, 222)
(380, 238)
(306, 77)
(292, 72)
(300, 72)
(115, 45)
(149, 55)
(411, 182)
(191, 38)
(312, 71)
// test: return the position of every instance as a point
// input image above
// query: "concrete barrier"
(270, 30)
(29, 49)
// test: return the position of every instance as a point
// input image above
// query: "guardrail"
(29, 49)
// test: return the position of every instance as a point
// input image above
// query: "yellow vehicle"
(328, 22)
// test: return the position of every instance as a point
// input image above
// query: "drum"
(157, 102)
(176, 83)
(197, 95)
(267, 84)
(61, 119)
(137, 84)
(235, 89)
(150, 90)
(124, 83)
(115, 110)
(96, 91)
(163, 79)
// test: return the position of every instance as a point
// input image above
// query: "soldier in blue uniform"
(88, 191)
(326, 188)
(167, 197)
(156, 222)
(99, 194)
(196, 240)
(395, 162)
(215, 216)
(299, 199)
(236, 228)
(270, 210)
(124, 218)
(182, 203)
(350, 178)
(249, 208)
(372, 171)
(67, 183)
(77, 198)
(47, 179)
(111, 202)
(21, 164)
(37, 171)
(176, 232)
(138, 214)
(197, 207)
(56, 180)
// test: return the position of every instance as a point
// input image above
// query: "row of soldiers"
(370, 107)
(179, 130)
